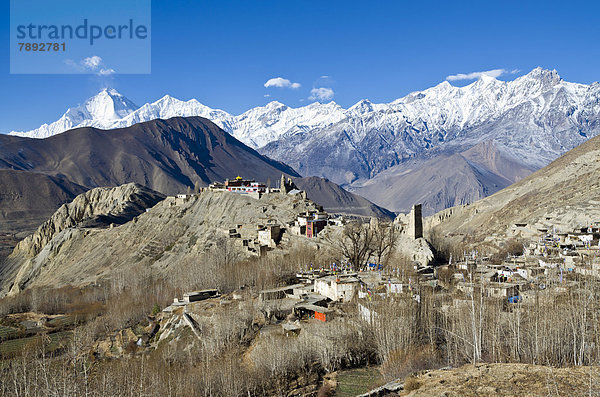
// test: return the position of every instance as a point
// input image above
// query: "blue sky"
(223, 52)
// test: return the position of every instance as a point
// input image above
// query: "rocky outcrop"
(415, 250)
(96, 208)
(174, 236)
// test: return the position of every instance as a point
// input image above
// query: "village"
(258, 238)
(346, 310)
(538, 259)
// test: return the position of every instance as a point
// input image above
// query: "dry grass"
(506, 380)
(411, 383)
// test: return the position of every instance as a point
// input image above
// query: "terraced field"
(357, 381)
(55, 341)
(8, 332)
(62, 321)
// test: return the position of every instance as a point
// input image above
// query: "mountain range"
(169, 156)
(105, 229)
(381, 150)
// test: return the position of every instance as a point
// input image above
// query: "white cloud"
(321, 94)
(324, 77)
(475, 75)
(267, 95)
(280, 82)
(106, 72)
(91, 62)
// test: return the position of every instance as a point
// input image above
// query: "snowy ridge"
(100, 110)
(534, 118)
(537, 117)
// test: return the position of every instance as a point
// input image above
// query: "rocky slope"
(97, 208)
(501, 380)
(28, 198)
(339, 201)
(442, 180)
(563, 194)
(173, 233)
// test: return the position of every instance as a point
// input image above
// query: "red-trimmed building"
(241, 185)
(314, 226)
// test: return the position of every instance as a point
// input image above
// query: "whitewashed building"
(337, 288)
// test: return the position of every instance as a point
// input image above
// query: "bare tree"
(385, 237)
(356, 243)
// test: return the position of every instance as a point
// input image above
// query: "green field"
(8, 332)
(62, 321)
(13, 347)
(357, 381)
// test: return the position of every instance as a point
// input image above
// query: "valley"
(261, 283)
(427, 246)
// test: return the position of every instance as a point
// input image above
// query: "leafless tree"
(385, 238)
(355, 244)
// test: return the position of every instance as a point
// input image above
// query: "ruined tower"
(415, 222)
(286, 185)
(282, 184)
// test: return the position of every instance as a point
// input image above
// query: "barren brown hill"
(563, 194)
(26, 200)
(337, 200)
(174, 234)
(165, 155)
(444, 179)
(168, 156)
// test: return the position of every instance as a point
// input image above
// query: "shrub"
(411, 384)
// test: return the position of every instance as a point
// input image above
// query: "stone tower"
(286, 185)
(282, 184)
(415, 222)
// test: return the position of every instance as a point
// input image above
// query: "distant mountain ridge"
(104, 108)
(531, 120)
(444, 180)
(539, 100)
(169, 156)
(255, 127)
(165, 155)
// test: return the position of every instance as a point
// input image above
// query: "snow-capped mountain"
(539, 102)
(256, 127)
(535, 118)
(532, 120)
(100, 110)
